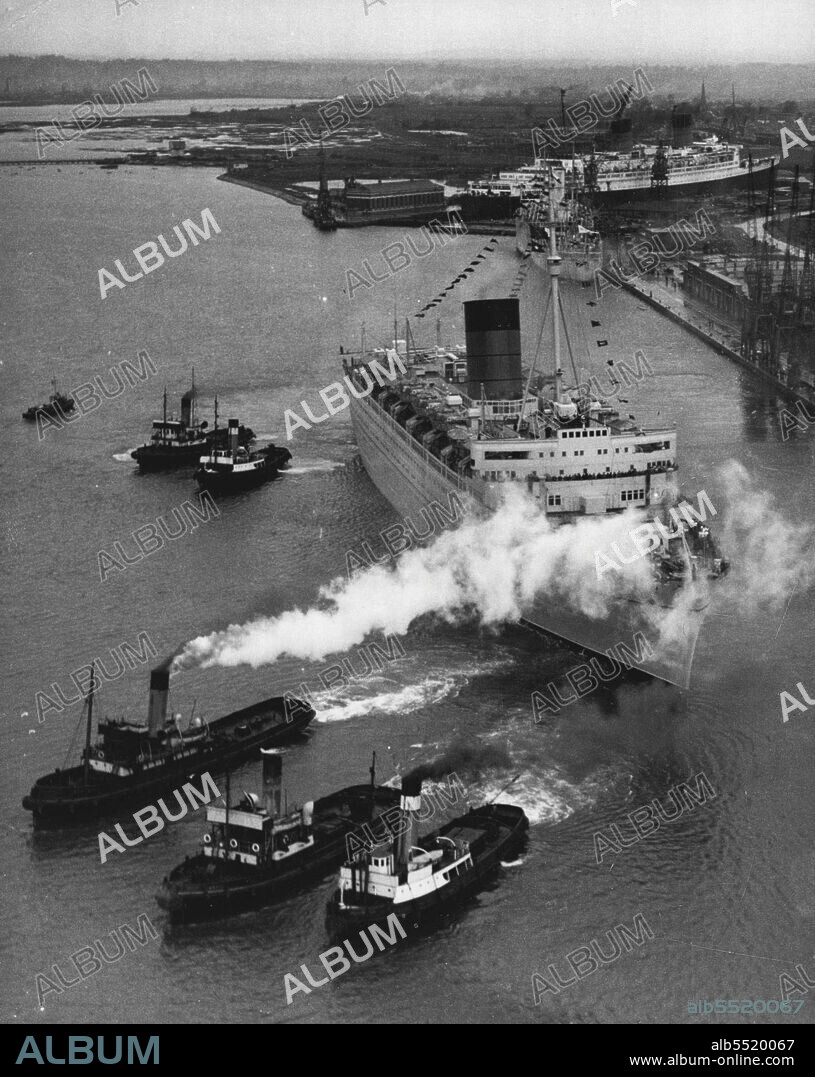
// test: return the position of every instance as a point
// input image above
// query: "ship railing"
(662, 469)
(467, 485)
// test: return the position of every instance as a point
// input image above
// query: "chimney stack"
(272, 780)
(157, 710)
(233, 435)
(682, 126)
(409, 804)
(492, 328)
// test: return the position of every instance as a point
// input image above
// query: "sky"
(775, 31)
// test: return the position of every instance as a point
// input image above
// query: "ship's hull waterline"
(412, 479)
(612, 192)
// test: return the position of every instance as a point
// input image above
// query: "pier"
(666, 302)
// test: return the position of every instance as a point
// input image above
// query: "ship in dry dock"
(429, 436)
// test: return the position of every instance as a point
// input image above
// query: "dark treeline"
(52, 78)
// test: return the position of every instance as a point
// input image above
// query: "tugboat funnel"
(410, 803)
(157, 710)
(186, 408)
(272, 781)
(233, 435)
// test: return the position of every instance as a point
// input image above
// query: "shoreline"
(277, 192)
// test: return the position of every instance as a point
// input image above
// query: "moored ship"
(255, 852)
(428, 438)
(420, 878)
(133, 761)
(642, 171)
(234, 468)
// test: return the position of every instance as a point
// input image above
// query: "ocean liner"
(425, 438)
(636, 172)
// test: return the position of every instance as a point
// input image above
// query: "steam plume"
(494, 569)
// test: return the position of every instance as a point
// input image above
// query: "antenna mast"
(553, 261)
(88, 728)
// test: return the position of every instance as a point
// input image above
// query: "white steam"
(495, 569)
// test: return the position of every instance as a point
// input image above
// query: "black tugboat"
(235, 468)
(56, 407)
(417, 879)
(132, 762)
(254, 854)
(181, 442)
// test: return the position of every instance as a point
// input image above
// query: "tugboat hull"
(65, 797)
(506, 826)
(165, 457)
(228, 481)
(204, 889)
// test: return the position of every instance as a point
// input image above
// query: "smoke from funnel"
(466, 758)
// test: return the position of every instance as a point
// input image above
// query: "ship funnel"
(492, 328)
(272, 780)
(233, 435)
(621, 134)
(186, 407)
(682, 126)
(409, 804)
(157, 710)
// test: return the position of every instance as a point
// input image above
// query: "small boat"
(132, 762)
(57, 405)
(181, 442)
(254, 853)
(234, 468)
(417, 879)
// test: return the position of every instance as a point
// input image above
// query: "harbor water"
(259, 310)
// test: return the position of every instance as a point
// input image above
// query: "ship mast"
(553, 261)
(88, 727)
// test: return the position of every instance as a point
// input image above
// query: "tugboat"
(235, 468)
(254, 854)
(418, 879)
(132, 762)
(180, 442)
(56, 406)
